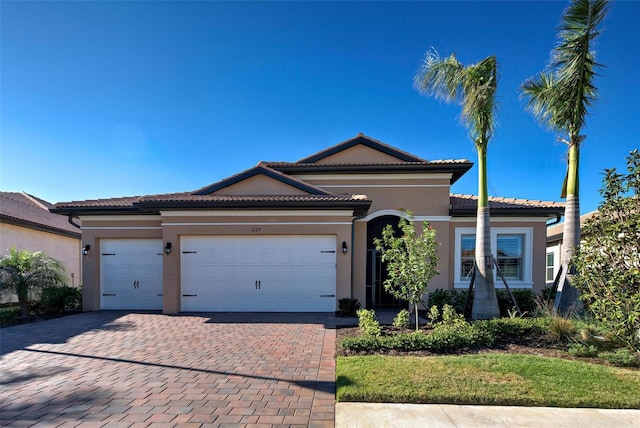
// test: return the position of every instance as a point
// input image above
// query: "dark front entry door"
(377, 296)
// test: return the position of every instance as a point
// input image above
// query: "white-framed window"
(512, 248)
(552, 264)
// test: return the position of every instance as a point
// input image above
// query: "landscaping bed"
(523, 345)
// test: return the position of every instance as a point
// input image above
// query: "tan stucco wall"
(260, 185)
(422, 196)
(61, 248)
(358, 154)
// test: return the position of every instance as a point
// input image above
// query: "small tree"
(411, 261)
(23, 273)
(608, 259)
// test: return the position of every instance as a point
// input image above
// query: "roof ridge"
(37, 201)
(361, 139)
(261, 168)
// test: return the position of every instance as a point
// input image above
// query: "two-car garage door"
(265, 273)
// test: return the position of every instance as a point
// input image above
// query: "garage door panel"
(131, 273)
(268, 273)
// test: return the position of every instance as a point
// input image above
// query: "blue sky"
(107, 99)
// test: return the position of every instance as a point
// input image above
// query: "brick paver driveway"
(145, 369)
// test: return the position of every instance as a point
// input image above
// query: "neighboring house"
(295, 236)
(27, 224)
(554, 248)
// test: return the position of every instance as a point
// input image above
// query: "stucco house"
(554, 247)
(295, 236)
(27, 224)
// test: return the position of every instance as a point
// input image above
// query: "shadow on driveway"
(60, 330)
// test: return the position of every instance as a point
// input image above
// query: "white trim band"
(271, 223)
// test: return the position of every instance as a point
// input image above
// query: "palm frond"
(561, 98)
(474, 87)
(439, 77)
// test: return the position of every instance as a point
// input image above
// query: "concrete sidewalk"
(380, 415)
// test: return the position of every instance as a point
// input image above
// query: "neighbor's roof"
(554, 233)
(22, 209)
(466, 205)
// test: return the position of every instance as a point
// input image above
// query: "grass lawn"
(488, 379)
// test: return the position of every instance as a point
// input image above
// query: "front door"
(377, 296)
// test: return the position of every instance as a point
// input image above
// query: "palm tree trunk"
(567, 296)
(485, 302)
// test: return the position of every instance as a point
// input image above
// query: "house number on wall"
(256, 229)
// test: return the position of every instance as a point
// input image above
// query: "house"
(554, 247)
(295, 236)
(27, 224)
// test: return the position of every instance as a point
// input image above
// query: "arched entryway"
(377, 296)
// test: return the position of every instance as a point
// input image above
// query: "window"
(468, 248)
(512, 247)
(550, 266)
(509, 250)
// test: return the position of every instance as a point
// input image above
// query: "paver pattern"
(118, 369)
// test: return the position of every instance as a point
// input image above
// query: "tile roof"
(467, 204)
(121, 202)
(456, 167)
(262, 169)
(364, 140)
(187, 200)
(554, 233)
(32, 212)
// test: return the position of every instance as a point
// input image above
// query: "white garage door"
(131, 273)
(262, 274)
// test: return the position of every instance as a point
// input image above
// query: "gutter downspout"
(556, 221)
(70, 218)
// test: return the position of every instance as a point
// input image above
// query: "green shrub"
(444, 338)
(348, 307)
(451, 317)
(368, 323)
(606, 262)
(446, 316)
(363, 343)
(447, 338)
(581, 350)
(9, 315)
(505, 329)
(525, 298)
(60, 299)
(402, 319)
(455, 298)
(623, 358)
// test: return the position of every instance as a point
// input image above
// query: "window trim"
(555, 250)
(527, 274)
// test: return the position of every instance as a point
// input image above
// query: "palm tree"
(474, 87)
(23, 273)
(560, 99)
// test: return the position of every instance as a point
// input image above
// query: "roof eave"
(40, 227)
(509, 212)
(457, 170)
(76, 211)
(266, 205)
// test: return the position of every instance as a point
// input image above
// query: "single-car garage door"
(262, 274)
(131, 273)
